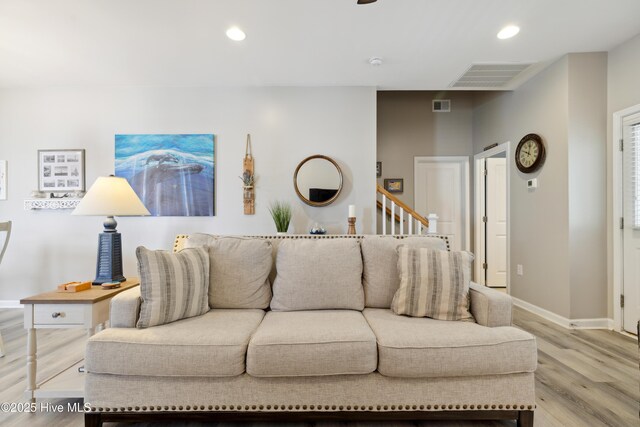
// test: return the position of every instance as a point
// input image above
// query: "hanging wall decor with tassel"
(248, 180)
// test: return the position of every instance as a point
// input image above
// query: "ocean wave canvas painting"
(172, 174)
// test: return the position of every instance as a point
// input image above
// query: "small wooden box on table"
(87, 310)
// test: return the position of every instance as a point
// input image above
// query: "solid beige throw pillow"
(172, 286)
(433, 283)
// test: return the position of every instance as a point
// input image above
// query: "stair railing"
(403, 216)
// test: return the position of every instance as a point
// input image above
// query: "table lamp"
(110, 196)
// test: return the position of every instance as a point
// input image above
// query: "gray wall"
(407, 128)
(287, 125)
(539, 219)
(623, 91)
(557, 230)
(587, 184)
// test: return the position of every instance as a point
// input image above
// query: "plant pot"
(281, 233)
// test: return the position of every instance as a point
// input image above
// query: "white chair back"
(6, 227)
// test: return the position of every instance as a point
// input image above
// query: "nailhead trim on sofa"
(180, 238)
(290, 408)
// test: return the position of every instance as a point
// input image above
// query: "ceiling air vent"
(441, 105)
(489, 75)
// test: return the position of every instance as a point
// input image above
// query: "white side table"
(86, 309)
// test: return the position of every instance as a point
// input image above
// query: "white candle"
(352, 211)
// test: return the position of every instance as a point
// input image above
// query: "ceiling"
(424, 44)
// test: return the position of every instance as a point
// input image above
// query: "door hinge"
(484, 265)
(484, 219)
(486, 172)
(621, 223)
(621, 145)
(621, 300)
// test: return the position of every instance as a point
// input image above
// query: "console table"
(87, 310)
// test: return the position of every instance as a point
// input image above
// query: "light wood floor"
(584, 378)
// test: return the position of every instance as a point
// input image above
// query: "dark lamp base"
(109, 266)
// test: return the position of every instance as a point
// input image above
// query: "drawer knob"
(56, 314)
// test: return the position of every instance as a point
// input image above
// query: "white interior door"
(496, 214)
(441, 187)
(631, 230)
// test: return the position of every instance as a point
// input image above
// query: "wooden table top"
(90, 296)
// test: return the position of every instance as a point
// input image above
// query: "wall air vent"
(441, 105)
(489, 75)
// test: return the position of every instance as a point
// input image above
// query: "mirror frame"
(295, 181)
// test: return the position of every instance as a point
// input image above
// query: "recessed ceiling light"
(508, 32)
(235, 33)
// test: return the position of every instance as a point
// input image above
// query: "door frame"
(478, 187)
(464, 162)
(618, 201)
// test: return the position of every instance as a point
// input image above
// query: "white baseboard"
(563, 321)
(8, 303)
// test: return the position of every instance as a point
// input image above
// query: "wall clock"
(530, 153)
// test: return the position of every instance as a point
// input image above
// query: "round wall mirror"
(318, 180)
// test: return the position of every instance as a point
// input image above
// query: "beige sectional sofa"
(253, 364)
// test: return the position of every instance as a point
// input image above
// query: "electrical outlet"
(519, 270)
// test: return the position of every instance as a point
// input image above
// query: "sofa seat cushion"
(412, 347)
(312, 343)
(211, 345)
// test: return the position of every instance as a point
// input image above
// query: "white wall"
(286, 125)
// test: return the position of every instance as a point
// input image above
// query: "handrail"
(407, 209)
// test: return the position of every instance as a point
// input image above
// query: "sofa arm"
(489, 307)
(125, 308)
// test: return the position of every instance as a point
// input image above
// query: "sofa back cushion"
(381, 277)
(317, 274)
(173, 286)
(239, 270)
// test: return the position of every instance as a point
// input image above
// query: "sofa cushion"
(412, 347)
(312, 343)
(433, 283)
(173, 286)
(318, 274)
(198, 240)
(239, 270)
(211, 345)
(239, 273)
(380, 270)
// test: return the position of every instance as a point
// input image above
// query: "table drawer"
(58, 314)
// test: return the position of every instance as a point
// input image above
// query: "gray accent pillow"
(239, 274)
(173, 286)
(380, 276)
(433, 284)
(318, 274)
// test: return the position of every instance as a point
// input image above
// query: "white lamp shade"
(111, 196)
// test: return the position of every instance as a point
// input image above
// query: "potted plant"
(247, 180)
(281, 214)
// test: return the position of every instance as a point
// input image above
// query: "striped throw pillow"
(172, 286)
(433, 283)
